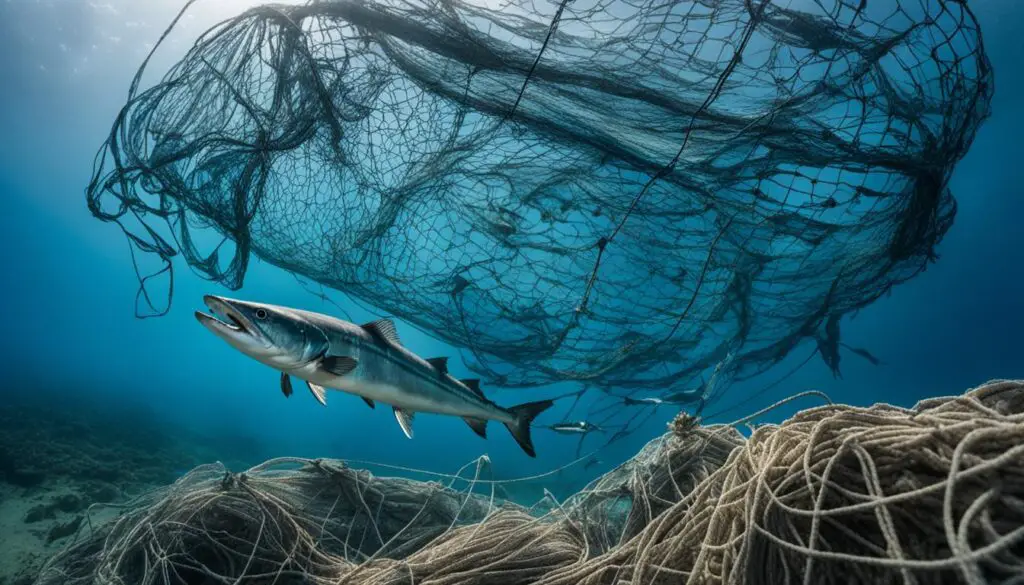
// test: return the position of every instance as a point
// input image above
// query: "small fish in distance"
(682, 397)
(638, 401)
(366, 360)
(685, 397)
(575, 428)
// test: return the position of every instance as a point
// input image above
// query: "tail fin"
(520, 429)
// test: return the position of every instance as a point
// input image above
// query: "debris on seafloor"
(932, 494)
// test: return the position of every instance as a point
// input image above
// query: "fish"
(636, 401)
(575, 428)
(678, 398)
(685, 397)
(366, 360)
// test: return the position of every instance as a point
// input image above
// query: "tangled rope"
(836, 494)
(621, 503)
(271, 522)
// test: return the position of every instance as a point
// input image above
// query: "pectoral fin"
(369, 402)
(286, 384)
(318, 392)
(339, 365)
(405, 420)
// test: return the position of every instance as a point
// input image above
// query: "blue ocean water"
(69, 288)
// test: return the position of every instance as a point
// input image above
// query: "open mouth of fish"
(223, 316)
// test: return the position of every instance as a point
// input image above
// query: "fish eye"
(261, 313)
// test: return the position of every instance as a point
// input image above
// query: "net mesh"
(618, 192)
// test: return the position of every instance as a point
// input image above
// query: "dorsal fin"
(440, 364)
(474, 385)
(383, 329)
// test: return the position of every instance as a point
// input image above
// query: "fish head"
(277, 336)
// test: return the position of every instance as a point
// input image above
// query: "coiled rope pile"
(836, 494)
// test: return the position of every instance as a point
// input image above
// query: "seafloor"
(836, 494)
(59, 455)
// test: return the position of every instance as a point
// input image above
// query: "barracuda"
(581, 427)
(366, 360)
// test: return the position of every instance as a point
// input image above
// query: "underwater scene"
(512, 292)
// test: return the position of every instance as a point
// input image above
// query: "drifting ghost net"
(621, 192)
(835, 495)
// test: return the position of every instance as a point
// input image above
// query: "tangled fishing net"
(836, 494)
(621, 503)
(621, 192)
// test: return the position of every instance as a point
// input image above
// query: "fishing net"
(287, 518)
(836, 494)
(622, 192)
(622, 502)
